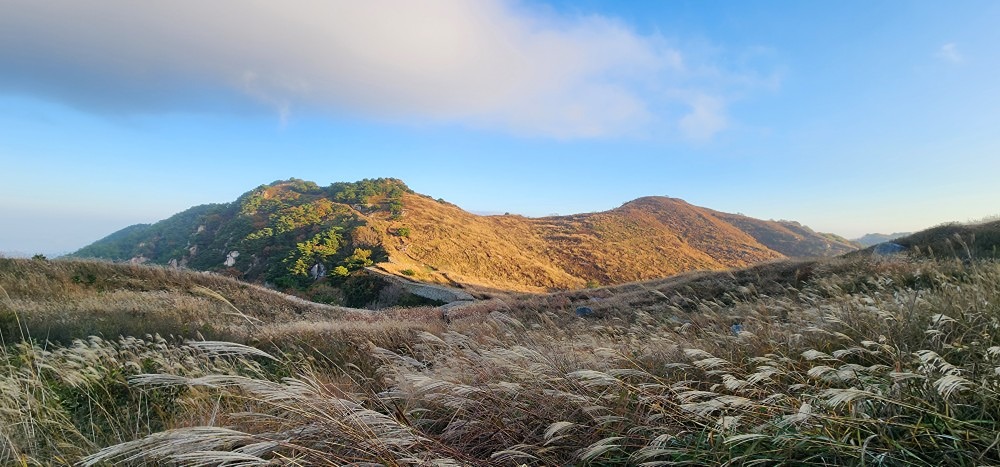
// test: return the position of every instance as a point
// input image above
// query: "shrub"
(340, 271)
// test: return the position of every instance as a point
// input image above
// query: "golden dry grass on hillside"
(62, 300)
(644, 239)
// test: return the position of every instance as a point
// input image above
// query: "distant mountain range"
(298, 236)
(871, 239)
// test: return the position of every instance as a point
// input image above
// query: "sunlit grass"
(875, 362)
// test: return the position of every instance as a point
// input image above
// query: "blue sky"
(850, 117)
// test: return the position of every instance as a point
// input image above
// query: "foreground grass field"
(842, 362)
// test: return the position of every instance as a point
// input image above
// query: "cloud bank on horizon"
(491, 64)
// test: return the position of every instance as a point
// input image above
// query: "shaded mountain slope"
(976, 241)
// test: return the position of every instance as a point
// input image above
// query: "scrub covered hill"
(296, 235)
(293, 235)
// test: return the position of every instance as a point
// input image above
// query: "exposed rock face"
(231, 258)
(317, 271)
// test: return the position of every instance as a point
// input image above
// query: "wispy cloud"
(707, 117)
(489, 63)
(949, 53)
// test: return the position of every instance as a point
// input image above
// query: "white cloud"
(707, 117)
(485, 63)
(949, 53)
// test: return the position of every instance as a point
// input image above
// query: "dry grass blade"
(838, 397)
(733, 383)
(228, 349)
(165, 445)
(593, 378)
(736, 440)
(948, 385)
(512, 455)
(214, 458)
(597, 449)
(710, 363)
(217, 296)
(816, 355)
(556, 428)
(390, 356)
(697, 354)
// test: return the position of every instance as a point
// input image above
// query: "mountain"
(298, 236)
(876, 238)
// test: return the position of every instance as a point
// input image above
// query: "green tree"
(360, 259)
(318, 249)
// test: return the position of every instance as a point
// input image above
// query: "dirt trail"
(448, 295)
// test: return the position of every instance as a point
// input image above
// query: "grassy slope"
(952, 241)
(840, 362)
(956, 240)
(646, 238)
(62, 300)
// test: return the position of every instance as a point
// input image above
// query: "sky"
(850, 117)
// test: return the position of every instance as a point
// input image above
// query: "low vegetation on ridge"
(865, 360)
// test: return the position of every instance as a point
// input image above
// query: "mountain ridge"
(872, 239)
(295, 235)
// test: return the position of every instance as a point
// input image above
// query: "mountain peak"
(299, 236)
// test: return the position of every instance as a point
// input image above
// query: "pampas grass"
(888, 362)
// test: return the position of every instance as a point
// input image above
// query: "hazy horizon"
(848, 118)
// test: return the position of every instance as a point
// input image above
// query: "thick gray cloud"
(484, 63)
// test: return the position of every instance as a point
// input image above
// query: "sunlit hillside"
(315, 241)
